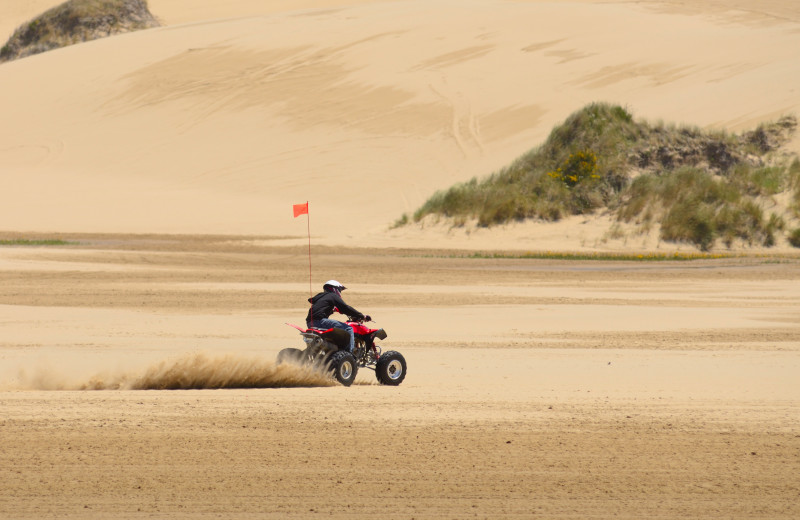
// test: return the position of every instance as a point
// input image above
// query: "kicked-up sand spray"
(203, 371)
(186, 372)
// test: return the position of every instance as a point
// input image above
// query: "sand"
(535, 387)
(169, 158)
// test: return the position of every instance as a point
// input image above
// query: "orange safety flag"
(300, 209)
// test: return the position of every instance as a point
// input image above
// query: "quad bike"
(328, 348)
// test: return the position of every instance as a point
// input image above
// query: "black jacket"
(324, 304)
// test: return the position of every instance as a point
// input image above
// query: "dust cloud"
(191, 371)
(202, 371)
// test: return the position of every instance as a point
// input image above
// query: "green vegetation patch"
(699, 186)
(26, 242)
(697, 207)
(606, 256)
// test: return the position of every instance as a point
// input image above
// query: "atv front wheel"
(290, 355)
(391, 368)
(344, 367)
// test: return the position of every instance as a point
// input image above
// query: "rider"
(325, 303)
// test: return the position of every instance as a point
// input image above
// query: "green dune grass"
(699, 186)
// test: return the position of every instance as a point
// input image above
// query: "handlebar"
(360, 320)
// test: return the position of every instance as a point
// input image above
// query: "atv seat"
(338, 337)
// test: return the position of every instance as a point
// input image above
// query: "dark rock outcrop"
(77, 21)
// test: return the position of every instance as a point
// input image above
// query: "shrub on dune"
(794, 237)
(699, 186)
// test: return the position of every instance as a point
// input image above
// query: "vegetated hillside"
(699, 187)
(77, 21)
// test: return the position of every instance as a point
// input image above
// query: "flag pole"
(302, 209)
(308, 221)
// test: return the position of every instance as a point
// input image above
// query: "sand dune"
(223, 119)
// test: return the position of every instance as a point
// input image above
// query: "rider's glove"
(367, 318)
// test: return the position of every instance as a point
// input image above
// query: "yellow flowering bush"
(577, 168)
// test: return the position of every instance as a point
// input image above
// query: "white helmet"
(335, 285)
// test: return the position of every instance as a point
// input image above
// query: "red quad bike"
(328, 348)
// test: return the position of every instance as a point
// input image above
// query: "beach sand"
(548, 388)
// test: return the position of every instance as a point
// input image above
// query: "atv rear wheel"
(291, 355)
(391, 368)
(344, 367)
